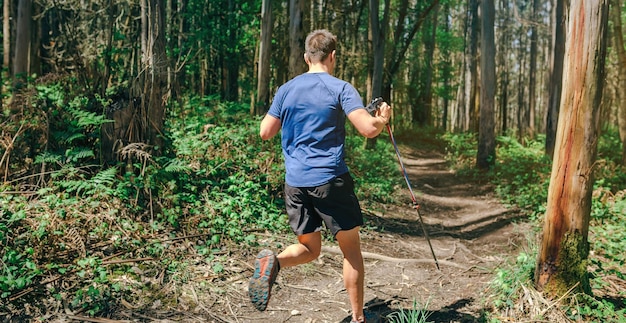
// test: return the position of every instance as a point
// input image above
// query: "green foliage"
(509, 280)
(521, 176)
(18, 270)
(590, 309)
(375, 170)
(461, 150)
(417, 314)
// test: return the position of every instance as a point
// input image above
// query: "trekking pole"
(373, 106)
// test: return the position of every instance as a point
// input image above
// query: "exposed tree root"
(370, 255)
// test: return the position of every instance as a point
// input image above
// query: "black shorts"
(333, 203)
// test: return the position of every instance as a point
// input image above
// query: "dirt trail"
(471, 233)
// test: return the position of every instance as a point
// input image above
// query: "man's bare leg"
(307, 249)
(353, 269)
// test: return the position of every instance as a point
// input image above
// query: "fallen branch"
(370, 255)
(92, 319)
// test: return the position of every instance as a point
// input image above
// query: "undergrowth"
(521, 176)
(82, 237)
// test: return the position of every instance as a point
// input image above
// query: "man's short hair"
(319, 44)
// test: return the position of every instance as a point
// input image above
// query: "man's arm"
(269, 127)
(367, 125)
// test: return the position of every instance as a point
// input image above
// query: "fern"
(85, 119)
(100, 184)
(48, 157)
(79, 153)
(67, 137)
(177, 166)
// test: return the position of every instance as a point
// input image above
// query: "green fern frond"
(105, 177)
(102, 184)
(177, 166)
(79, 153)
(73, 136)
(48, 157)
(85, 118)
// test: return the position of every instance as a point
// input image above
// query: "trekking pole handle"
(373, 106)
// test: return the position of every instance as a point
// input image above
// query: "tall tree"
(564, 249)
(297, 36)
(231, 61)
(155, 75)
(21, 59)
(403, 36)
(618, 36)
(6, 34)
(504, 38)
(422, 105)
(532, 71)
(378, 30)
(470, 92)
(486, 154)
(265, 52)
(556, 72)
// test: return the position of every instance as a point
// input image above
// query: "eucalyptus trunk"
(564, 250)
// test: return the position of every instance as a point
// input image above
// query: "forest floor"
(471, 232)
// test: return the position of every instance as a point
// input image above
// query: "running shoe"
(266, 268)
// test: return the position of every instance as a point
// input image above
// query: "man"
(311, 110)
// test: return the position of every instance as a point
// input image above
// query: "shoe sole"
(260, 286)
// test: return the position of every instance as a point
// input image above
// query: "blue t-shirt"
(312, 109)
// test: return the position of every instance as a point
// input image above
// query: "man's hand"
(384, 112)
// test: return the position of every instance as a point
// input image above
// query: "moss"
(572, 267)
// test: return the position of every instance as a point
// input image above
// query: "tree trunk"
(471, 73)
(110, 16)
(532, 71)
(22, 43)
(230, 83)
(503, 66)
(155, 75)
(486, 154)
(297, 65)
(422, 110)
(556, 73)
(378, 32)
(6, 34)
(618, 36)
(265, 52)
(446, 74)
(522, 108)
(562, 259)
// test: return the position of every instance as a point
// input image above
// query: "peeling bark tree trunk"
(562, 259)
